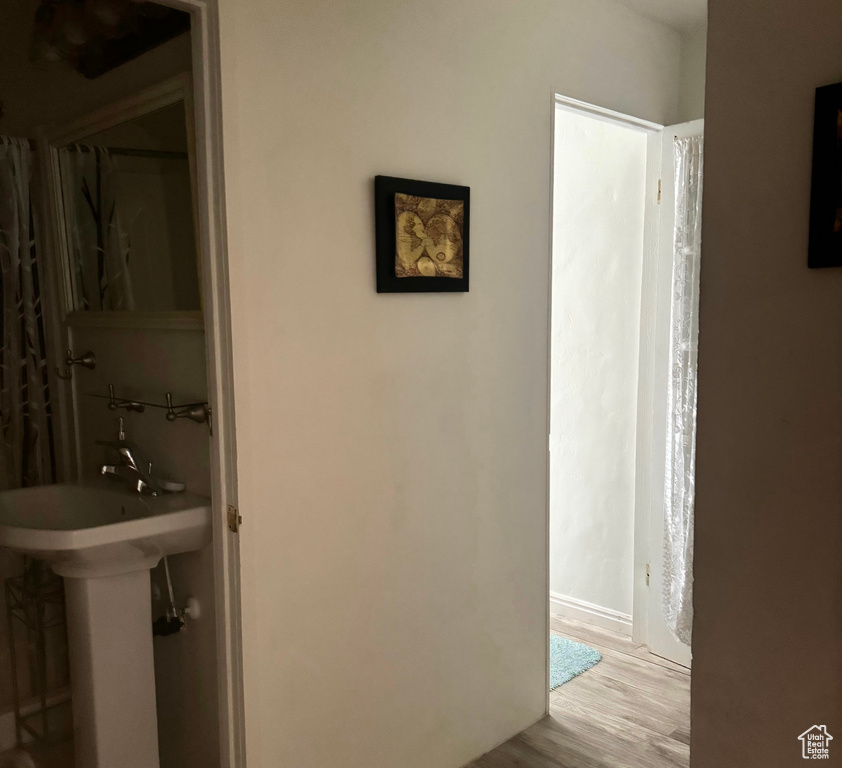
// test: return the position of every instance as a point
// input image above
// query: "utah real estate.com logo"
(815, 743)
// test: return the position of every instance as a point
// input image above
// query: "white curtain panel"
(25, 429)
(100, 248)
(681, 409)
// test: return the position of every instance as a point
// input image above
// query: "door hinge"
(647, 574)
(235, 519)
(659, 191)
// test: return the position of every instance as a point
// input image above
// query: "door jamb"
(213, 243)
(645, 442)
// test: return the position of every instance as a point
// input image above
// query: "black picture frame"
(825, 249)
(385, 189)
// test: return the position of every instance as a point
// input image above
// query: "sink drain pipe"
(173, 622)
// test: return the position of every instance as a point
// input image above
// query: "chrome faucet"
(129, 466)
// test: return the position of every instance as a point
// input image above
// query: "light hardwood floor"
(632, 710)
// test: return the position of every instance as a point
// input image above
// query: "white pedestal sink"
(103, 541)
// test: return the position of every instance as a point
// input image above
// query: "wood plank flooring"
(632, 710)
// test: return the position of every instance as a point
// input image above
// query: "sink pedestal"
(109, 622)
(104, 542)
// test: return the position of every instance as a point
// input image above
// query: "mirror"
(127, 204)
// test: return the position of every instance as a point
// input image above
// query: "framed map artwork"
(422, 231)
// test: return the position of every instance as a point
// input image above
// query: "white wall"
(393, 448)
(599, 183)
(768, 575)
(691, 97)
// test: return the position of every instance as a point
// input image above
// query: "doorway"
(612, 357)
(612, 339)
(141, 99)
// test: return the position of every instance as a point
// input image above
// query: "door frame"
(652, 424)
(213, 244)
(645, 489)
(215, 316)
(651, 243)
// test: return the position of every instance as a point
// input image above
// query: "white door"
(660, 640)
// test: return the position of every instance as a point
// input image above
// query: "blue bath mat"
(569, 659)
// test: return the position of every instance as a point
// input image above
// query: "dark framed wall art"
(422, 232)
(825, 248)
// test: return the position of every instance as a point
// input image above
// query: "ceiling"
(682, 15)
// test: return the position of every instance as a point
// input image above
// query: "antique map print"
(428, 236)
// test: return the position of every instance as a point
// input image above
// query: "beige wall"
(767, 649)
(393, 448)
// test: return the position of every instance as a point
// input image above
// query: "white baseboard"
(571, 608)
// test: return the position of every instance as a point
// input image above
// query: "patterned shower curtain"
(681, 410)
(100, 248)
(26, 437)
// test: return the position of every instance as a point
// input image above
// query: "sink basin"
(84, 531)
(104, 540)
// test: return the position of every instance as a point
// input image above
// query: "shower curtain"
(25, 417)
(100, 249)
(681, 410)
